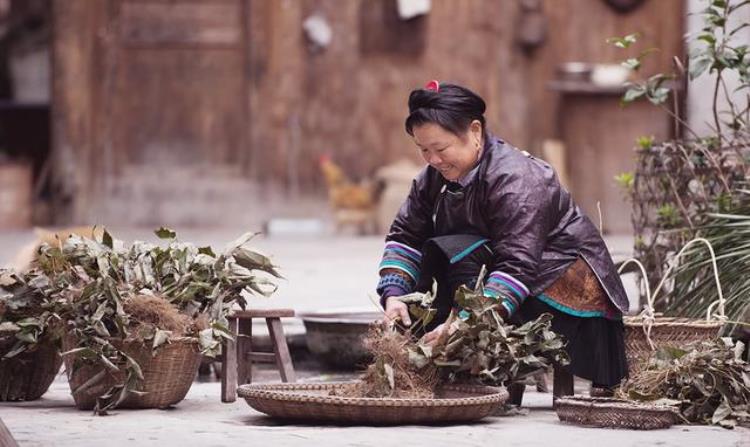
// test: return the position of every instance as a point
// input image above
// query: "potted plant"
(693, 184)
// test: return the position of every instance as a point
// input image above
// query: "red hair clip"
(433, 85)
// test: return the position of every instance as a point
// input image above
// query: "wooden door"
(175, 90)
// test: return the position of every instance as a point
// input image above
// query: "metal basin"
(335, 337)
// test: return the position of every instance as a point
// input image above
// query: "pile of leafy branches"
(105, 292)
(709, 382)
(26, 314)
(483, 348)
(479, 347)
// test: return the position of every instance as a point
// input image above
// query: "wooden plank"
(263, 313)
(193, 23)
(229, 366)
(244, 349)
(261, 357)
(283, 358)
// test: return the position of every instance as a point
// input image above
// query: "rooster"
(352, 203)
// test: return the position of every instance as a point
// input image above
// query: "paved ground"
(201, 419)
(322, 272)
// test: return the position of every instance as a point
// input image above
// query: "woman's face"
(452, 155)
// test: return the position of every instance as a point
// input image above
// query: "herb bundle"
(478, 348)
(484, 348)
(709, 382)
(106, 293)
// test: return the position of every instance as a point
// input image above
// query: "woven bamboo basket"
(648, 332)
(27, 376)
(615, 413)
(313, 402)
(664, 331)
(168, 375)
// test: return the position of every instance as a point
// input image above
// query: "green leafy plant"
(693, 287)
(680, 183)
(715, 51)
(625, 181)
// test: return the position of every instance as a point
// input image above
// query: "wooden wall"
(272, 103)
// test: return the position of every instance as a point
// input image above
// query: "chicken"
(25, 257)
(352, 203)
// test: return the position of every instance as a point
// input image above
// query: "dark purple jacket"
(515, 200)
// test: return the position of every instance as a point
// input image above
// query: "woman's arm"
(399, 267)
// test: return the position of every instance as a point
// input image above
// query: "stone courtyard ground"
(322, 272)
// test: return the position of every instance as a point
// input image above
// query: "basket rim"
(615, 404)
(638, 321)
(286, 392)
(180, 339)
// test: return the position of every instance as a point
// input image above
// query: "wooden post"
(283, 358)
(516, 391)
(229, 365)
(244, 349)
(562, 384)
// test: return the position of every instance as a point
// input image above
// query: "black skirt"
(596, 346)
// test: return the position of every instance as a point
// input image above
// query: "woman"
(481, 201)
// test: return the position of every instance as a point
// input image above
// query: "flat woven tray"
(615, 413)
(312, 402)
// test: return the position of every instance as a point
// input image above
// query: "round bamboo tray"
(167, 375)
(28, 375)
(615, 413)
(665, 331)
(312, 402)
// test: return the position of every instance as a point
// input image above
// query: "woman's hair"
(450, 106)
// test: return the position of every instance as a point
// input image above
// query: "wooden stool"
(238, 356)
(562, 385)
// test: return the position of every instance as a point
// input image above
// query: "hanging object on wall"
(318, 31)
(531, 31)
(408, 9)
(624, 6)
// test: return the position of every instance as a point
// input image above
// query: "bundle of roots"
(392, 374)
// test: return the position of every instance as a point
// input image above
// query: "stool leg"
(562, 384)
(229, 365)
(244, 348)
(515, 391)
(280, 348)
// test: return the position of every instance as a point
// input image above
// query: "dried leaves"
(392, 374)
(710, 382)
(483, 348)
(91, 284)
(480, 348)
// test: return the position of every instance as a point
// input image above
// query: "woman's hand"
(397, 310)
(433, 336)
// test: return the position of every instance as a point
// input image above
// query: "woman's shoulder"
(428, 181)
(506, 164)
